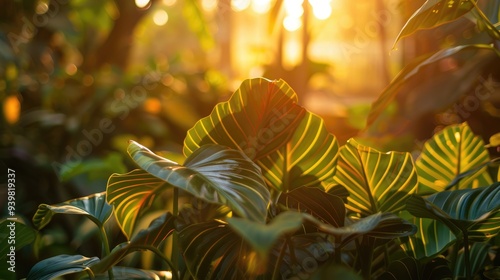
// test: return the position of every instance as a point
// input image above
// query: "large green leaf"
(214, 173)
(309, 158)
(475, 212)
(433, 13)
(130, 193)
(427, 84)
(431, 239)
(449, 153)
(258, 118)
(148, 238)
(60, 265)
(376, 181)
(93, 207)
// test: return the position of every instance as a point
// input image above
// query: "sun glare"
(160, 17)
(142, 3)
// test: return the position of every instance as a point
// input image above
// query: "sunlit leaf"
(431, 239)
(449, 153)
(258, 118)
(309, 158)
(130, 193)
(376, 181)
(213, 173)
(93, 207)
(60, 265)
(433, 13)
(151, 237)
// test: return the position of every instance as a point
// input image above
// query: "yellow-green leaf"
(258, 118)
(449, 153)
(376, 181)
(307, 159)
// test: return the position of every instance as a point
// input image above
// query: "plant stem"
(468, 273)
(337, 254)
(105, 248)
(155, 250)
(280, 258)
(175, 238)
(485, 19)
(366, 267)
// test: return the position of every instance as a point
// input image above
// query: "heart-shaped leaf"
(60, 265)
(434, 13)
(376, 181)
(214, 173)
(130, 193)
(93, 207)
(258, 118)
(309, 158)
(449, 153)
(148, 238)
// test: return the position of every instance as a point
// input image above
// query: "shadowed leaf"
(60, 265)
(93, 207)
(476, 211)
(328, 208)
(151, 237)
(213, 173)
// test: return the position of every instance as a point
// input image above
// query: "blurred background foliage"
(78, 79)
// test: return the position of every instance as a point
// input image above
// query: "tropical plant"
(453, 79)
(280, 199)
(266, 192)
